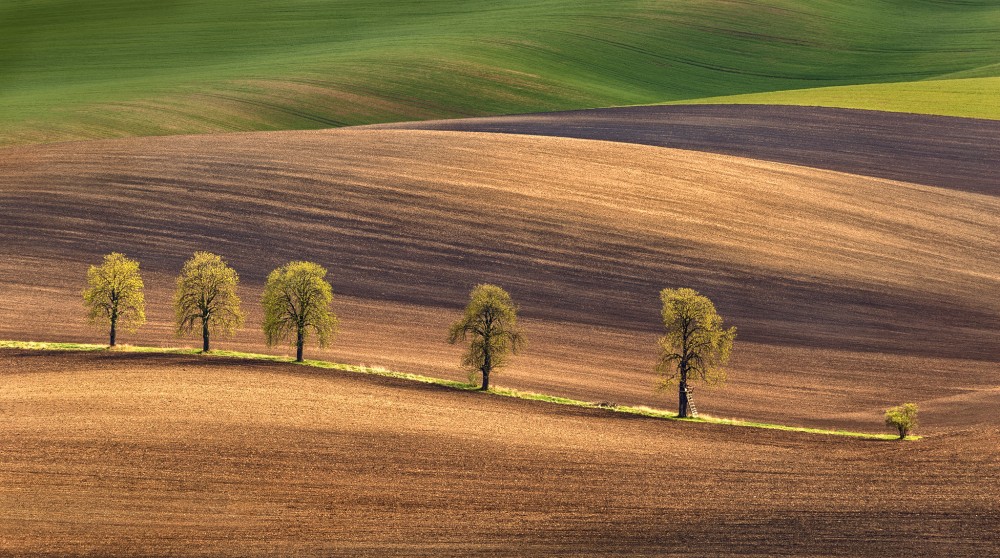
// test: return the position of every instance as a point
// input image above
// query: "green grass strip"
(452, 384)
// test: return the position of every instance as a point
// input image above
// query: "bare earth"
(850, 294)
(153, 455)
(960, 153)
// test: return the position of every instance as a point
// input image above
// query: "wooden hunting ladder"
(691, 407)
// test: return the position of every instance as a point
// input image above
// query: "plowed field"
(958, 153)
(850, 293)
(133, 454)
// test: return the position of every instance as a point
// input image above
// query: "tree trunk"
(114, 327)
(204, 335)
(298, 345)
(682, 400)
(487, 363)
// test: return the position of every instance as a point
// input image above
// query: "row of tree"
(296, 300)
(297, 303)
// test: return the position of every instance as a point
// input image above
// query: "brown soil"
(849, 293)
(129, 454)
(959, 153)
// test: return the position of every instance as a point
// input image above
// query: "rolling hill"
(849, 292)
(127, 454)
(856, 252)
(948, 152)
(76, 70)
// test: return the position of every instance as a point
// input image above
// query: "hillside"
(850, 293)
(583, 155)
(126, 454)
(948, 152)
(121, 68)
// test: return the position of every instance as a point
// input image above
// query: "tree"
(903, 418)
(296, 300)
(490, 322)
(206, 297)
(695, 346)
(114, 296)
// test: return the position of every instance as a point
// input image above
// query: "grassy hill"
(117, 67)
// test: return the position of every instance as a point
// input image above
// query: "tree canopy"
(490, 325)
(296, 302)
(695, 346)
(114, 295)
(206, 299)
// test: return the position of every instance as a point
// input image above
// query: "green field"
(103, 68)
(970, 97)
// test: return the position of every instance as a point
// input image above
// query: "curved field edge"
(451, 384)
(949, 152)
(108, 68)
(966, 98)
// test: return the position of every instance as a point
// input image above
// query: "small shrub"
(903, 418)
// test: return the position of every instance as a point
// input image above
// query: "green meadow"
(106, 68)
(970, 97)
